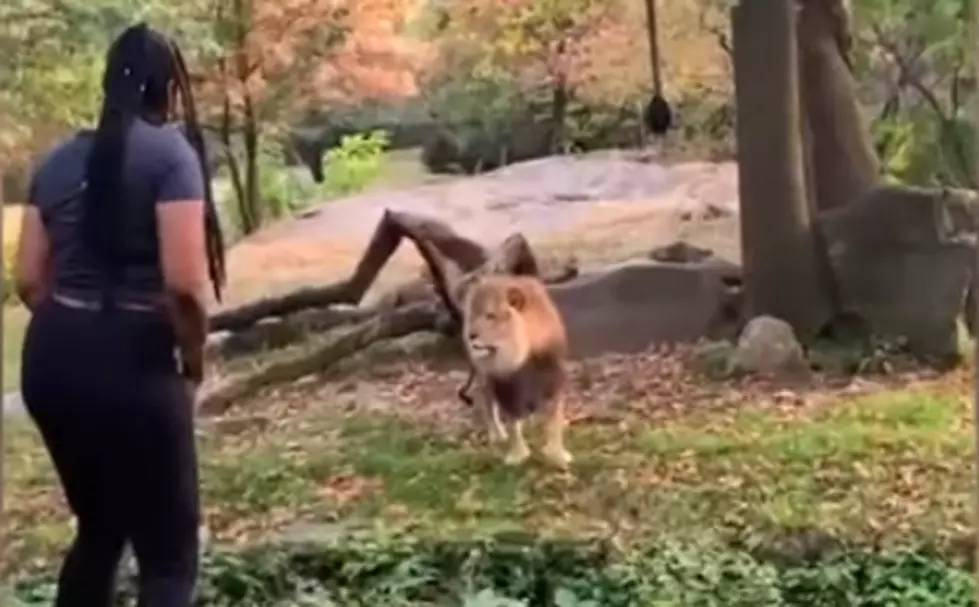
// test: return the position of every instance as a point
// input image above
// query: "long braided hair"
(141, 66)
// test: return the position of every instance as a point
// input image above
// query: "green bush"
(515, 571)
(355, 163)
(282, 190)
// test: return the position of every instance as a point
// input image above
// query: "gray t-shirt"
(159, 166)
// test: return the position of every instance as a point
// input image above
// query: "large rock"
(768, 346)
(628, 307)
(903, 259)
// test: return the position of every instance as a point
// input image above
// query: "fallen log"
(393, 227)
(427, 234)
(395, 323)
(273, 333)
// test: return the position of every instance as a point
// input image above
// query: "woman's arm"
(32, 266)
(180, 225)
(183, 255)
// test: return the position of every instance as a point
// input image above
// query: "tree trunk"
(560, 97)
(826, 273)
(782, 278)
(251, 203)
(245, 220)
(844, 163)
(253, 194)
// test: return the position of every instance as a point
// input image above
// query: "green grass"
(894, 468)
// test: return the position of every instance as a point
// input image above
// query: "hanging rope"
(657, 116)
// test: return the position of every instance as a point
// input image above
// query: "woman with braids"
(115, 248)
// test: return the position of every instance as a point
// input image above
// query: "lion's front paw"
(496, 434)
(516, 456)
(557, 456)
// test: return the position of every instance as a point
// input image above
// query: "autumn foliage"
(276, 60)
(536, 43)
(290, 54)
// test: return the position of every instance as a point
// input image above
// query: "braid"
(124, 84)
(141, 65)
(212, 224)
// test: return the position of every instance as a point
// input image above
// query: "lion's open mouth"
(481, 350)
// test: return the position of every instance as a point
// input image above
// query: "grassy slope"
(894, 467)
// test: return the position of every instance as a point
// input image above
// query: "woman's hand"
(192, 370)
(192, 364)
(192, 392)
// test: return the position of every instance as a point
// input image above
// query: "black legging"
(117, 419)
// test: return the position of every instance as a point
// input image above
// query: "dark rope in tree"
(657, 116)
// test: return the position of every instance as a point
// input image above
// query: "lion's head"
(495, 330)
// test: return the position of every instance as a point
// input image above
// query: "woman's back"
(159, 165)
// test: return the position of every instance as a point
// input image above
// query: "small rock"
(768, 346)
(680, 252)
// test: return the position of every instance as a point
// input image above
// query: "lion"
(517, 344)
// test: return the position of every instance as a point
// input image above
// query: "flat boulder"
(625, 308)
(903, 259)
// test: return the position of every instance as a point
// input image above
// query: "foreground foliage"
(515, 571)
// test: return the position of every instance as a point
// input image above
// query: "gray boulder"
(768, 346)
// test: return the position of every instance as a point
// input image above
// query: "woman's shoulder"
(167, 133)
(164, 141)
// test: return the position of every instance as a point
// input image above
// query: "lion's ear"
(516, 298)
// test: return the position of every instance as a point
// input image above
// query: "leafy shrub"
(523, 571)
(355, 163)
(918, 147)
(282, 189)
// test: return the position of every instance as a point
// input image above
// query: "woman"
(115, 248)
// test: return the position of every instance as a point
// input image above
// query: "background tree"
(778, 246)
(543, 46)
(274, 61)
(841, 160)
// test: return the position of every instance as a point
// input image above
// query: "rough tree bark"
(844, 164)
(782, 275)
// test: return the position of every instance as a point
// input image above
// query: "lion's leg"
(494, 425)
(554, 449)
(518, 451)
(488, 411)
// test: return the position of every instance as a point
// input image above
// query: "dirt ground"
(602, 207)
